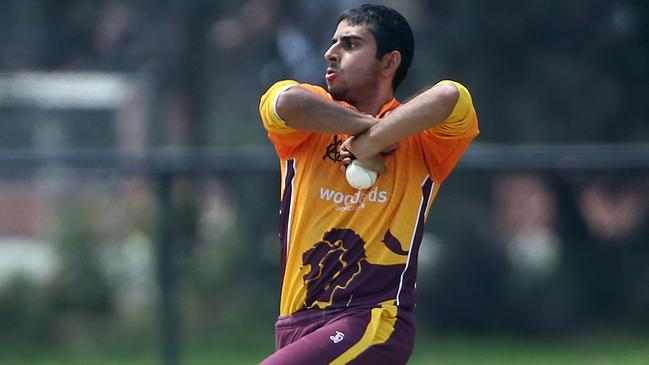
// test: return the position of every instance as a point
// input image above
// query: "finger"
(345, 146)
(346, 156)
(345, 149)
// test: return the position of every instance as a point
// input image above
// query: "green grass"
(621, 350)
(618, 350)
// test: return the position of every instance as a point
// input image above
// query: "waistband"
(313, 315)
(308, 316)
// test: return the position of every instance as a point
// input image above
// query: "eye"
(349, 44)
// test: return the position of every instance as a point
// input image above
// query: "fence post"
(167, 272)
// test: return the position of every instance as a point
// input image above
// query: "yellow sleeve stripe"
(460, 120)
(268, 108)
(378, 331)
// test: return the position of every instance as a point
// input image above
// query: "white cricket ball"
(359, 177)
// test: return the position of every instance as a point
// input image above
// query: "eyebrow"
(347, 38)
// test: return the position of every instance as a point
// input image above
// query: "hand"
(374, 163)
(346, 155)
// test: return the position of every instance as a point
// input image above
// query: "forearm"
(301, 109)
(424, 111)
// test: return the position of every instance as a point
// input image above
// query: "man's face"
(353, 71)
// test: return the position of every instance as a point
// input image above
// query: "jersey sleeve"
(445, 143)
(285, 139)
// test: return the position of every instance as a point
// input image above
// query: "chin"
(337, 93)
(331, 88)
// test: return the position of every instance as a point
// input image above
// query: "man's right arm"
(304, 110)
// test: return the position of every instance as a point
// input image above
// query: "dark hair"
(391, 31)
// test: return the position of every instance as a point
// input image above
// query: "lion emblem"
(334, 263)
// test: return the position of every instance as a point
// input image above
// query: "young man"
(349, 257)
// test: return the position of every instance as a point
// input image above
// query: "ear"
(390, 63)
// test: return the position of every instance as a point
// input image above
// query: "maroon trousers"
(372, 336)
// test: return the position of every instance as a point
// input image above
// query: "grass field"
(618, 350)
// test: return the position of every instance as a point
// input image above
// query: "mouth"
(331, 73)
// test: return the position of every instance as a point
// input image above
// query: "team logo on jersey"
(332, 151)
(335, 266)
(339, 336)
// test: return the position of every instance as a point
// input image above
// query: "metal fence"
(556, 225)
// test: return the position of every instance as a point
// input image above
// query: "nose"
(330, 54)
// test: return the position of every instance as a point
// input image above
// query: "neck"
(371, 108)
(371, 104)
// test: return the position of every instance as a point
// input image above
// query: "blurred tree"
(558, 71)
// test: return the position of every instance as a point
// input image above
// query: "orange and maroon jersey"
(343, 247)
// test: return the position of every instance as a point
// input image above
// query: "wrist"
(365, 122)
(361, 149)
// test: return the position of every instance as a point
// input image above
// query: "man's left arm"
(424, 111)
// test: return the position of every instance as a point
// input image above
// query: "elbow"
(448, 95)
(288, 102)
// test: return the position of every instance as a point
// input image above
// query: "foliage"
(453, 350)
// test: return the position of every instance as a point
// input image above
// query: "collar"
(390, 105)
